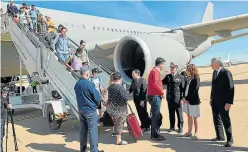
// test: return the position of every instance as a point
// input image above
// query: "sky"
(170, 14)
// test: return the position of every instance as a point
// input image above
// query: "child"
(97, 80)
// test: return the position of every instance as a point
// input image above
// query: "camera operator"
(4, 105)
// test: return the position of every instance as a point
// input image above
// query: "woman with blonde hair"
(191, 102)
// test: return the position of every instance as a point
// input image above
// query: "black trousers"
(175, 108)
(34, 89)
(143, 114)
(221, 116)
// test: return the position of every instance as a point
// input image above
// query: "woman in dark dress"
(117, 105)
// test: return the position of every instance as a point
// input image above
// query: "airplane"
(228, 62)
(125, 46)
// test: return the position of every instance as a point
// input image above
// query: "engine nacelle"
(140, 52)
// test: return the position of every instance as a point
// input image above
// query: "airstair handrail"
(61, 86)
(93, 59)
(44, 43)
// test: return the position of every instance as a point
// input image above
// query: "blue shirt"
(13, 9)
(88, 98)
(33, 14)
(62, 44)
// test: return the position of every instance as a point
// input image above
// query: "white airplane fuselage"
(123, 45)
(97, 30)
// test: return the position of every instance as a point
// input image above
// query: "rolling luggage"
(133, 125)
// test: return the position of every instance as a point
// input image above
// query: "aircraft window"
(99, 28)
(94, 27)
(138, 32)
(108, 29)
(134, 32)
(116, 30)
(124, 31)
(83, 26)
(131, 31)
(78, 26)
(112, 30)
(120, 30)
(127, 31)
(72, 25)
(103, 28)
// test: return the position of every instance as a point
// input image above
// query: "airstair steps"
(41, 61)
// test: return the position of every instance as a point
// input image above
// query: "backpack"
(107, 120)
(71, 59)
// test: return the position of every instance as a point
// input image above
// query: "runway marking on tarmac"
(27, 117)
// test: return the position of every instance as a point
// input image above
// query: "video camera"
(8, 83)
(9, 79)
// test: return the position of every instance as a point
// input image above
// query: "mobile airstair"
(43, 65)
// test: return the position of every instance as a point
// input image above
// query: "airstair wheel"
(53, 124)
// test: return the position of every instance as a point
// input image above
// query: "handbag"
(107, 120)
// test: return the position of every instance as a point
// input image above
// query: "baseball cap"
(84, 69)
(96, 70)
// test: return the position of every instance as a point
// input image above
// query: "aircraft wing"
(219, 27)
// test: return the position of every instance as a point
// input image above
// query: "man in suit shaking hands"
(222, 96)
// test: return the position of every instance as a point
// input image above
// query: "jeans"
(155, 102)
(33, 24)
(89, 124)
(63, 57)
(2, 132)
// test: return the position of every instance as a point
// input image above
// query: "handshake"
(184, 101)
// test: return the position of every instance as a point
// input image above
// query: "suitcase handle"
(130, 108)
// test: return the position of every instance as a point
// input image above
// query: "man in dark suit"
(139, 90)
(222, 95)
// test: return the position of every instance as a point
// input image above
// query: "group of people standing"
(181, 95)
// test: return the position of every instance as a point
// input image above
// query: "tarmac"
(34, 135)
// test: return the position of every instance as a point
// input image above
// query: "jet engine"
(140, 52)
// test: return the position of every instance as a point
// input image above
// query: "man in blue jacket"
(88, 99)
(12, 9)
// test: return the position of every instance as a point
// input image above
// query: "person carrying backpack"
(97, 80)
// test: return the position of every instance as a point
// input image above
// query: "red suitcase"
(133, 125)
